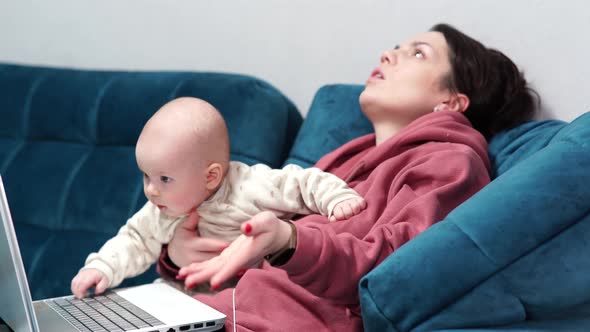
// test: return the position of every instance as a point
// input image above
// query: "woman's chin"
(369, 104)
(366, 99)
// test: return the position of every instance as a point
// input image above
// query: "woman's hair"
(498, 92)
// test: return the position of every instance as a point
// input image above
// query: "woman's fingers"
(201, 249)
(232, 267)
(208, 244)
(191, 222)
(186, 270)
(197, 273)
(179, 246)
(262, 234)
(223, 267)
(199, 276)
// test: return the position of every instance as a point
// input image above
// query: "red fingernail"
(214, 287)
(247, 228)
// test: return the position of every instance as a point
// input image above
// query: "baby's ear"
(214, 176)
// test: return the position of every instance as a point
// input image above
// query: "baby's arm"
(319, 192)
(136, 246)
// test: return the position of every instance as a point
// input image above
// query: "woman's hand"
(187, 246)
(262, 235)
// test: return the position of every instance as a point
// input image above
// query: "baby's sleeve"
(136, 246)
(311, 189)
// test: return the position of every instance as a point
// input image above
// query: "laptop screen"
(16, 305)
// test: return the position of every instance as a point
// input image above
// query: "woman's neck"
(383, 131)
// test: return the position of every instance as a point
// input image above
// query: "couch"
(511, 258)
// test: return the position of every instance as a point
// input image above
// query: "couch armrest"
(510, 253)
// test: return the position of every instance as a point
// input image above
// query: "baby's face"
(174, 179)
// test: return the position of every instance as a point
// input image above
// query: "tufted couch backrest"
(334, 118)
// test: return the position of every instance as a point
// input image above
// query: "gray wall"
(297, 45)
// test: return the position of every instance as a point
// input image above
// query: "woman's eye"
(418, 54)
(165, 179)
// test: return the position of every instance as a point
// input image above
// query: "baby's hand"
(348, 208)
(88, 278)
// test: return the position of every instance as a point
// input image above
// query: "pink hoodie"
(410, 181)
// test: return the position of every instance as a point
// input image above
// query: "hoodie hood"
(429, 130)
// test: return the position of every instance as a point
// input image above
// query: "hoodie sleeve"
(330, 259)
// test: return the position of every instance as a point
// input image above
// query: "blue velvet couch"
(512, 258)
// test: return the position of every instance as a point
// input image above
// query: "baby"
(183, 152)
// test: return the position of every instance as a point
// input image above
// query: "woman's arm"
(186, 247)
(420, 195)
(400, 206)
(264, 234)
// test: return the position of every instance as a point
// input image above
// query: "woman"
(424, 100)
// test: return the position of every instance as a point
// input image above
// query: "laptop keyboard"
(103, 313)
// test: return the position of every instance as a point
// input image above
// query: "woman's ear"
(458, 103)
(214, 176)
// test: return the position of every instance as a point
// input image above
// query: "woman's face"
(407, 82)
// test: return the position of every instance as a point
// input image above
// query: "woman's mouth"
(376, 74)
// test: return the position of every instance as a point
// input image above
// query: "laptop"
(146, 308)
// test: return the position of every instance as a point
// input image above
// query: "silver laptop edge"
(20, 297)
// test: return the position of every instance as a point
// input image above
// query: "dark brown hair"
(499, 95)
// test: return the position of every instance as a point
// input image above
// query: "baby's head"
(183, 151)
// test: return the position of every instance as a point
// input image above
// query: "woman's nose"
(387, 57)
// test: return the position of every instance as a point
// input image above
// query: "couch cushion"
(334, 118)
(67, 150)
(53, 257)
(513, 146)
(509, 255)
